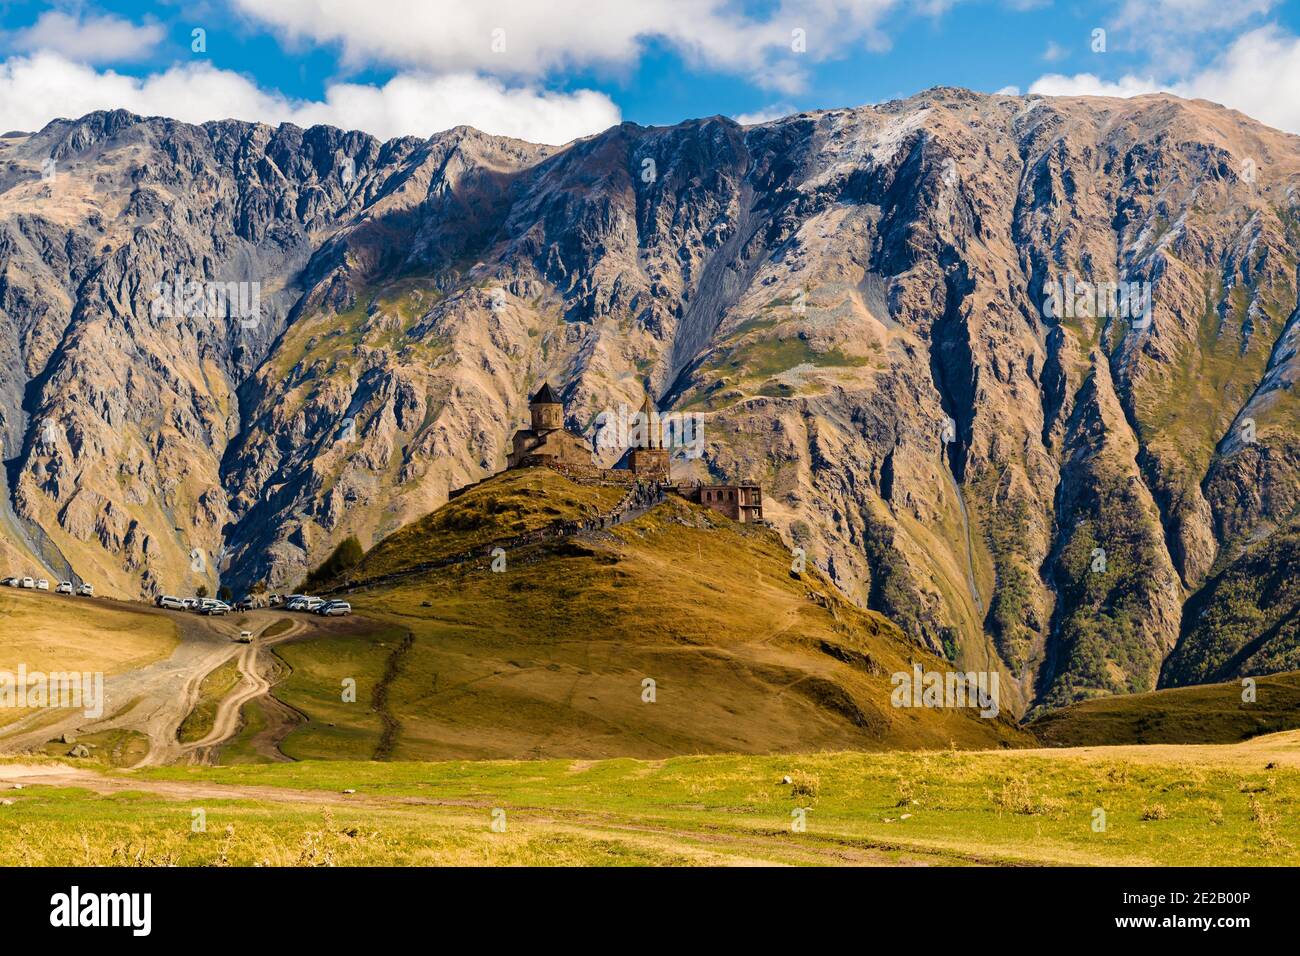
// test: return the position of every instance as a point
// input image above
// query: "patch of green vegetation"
(893, 590)
(278, 626)
(346, 556)
(756, 323)
(1184, 412)
(764, 358)
(1244, 621)
(252, 721)
(1104, 587)
(747, 364)
(216, 686)
(333, 680)
(111, 748)
(1006, 528)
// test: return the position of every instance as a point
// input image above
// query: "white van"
(65, 587)
(42, 585)
(169, 602)
(27, 583)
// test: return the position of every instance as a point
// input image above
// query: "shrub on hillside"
(345, 556)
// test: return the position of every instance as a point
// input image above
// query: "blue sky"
(549, 70)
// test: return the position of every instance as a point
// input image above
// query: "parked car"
(304, 603)
(27, 583)
(334, 609)
(10, 582)
(42, 584)
(244, 605)
(192, 604)
(169, 602)
(65, 587)
(274, 600)
(211, 608)
(86, 590)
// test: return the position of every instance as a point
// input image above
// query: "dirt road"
(154, 700)
(254, 684)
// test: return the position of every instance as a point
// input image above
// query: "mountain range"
(1014, 372)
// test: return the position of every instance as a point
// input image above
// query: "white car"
(42, 585)
(167, 601)
(191, 604)
(10, 582)
(65, 587)
(334, 609)
(245, 637)
(86, 590)
(27, 583)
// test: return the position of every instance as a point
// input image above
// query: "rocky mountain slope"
(879, 313)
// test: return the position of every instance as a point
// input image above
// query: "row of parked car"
(211, 607)
(315, 605)
(41, 584)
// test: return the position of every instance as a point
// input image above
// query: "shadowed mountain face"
(853, 301)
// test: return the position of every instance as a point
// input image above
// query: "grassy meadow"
(1164, 807)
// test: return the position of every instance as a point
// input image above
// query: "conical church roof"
(544, 396)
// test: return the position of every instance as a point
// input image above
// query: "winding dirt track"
(154, 700)
(253, 684)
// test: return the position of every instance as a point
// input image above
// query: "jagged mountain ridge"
(827, 290)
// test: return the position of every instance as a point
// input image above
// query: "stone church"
(547, 441)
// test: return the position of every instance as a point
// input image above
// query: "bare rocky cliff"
(854, 302)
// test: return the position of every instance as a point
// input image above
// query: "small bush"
(804, 784)
(345, 556)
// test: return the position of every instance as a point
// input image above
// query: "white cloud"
(1258, 74)
(1054, 52)
(105, 39)
(36, 89)
(765, 115)
(1089, 84)
(539, 37)
(1008, 91)
(1188, 16)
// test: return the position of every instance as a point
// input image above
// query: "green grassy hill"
(1206, 714)
(551, 656)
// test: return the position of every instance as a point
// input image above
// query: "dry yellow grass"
(47, 632)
